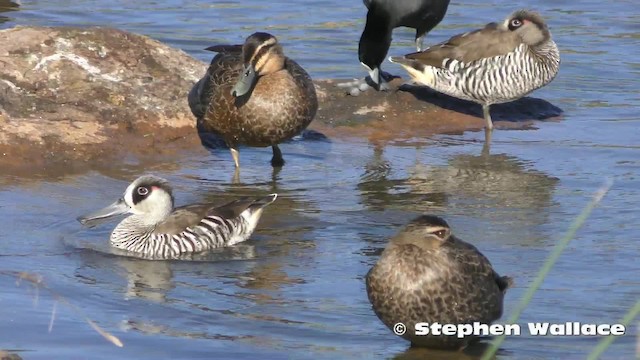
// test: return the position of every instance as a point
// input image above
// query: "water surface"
(296, 289)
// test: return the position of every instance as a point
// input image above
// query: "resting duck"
(426, 274)
(496, 64)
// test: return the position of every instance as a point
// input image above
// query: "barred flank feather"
(210, 233)
(491, 80)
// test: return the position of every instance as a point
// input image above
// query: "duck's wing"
(473, 260)
(183, 217)
(490, 41)
(237, 207)
(225, 48)
(201, 92)
(199, 96)
(191, 215)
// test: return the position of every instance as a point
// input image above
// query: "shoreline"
(76, 99)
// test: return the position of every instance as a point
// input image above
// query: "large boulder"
(89, 94)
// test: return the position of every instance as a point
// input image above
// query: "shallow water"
(296, 289)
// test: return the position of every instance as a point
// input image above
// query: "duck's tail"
(420, 73)
(263, 201)
(504, 283)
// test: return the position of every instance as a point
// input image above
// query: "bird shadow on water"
(523, 109)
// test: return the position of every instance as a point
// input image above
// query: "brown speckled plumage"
(428, 275)
(280, 106)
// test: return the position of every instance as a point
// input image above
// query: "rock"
(76, 98)
(91, 94)
(410, 112)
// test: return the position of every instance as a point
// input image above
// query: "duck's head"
(426, 232)
(529, 25)
(149, 197)
(261, 55)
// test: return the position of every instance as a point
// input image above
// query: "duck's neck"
(548, 54)
(132, 231)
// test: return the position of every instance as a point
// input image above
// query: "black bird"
(384, 16)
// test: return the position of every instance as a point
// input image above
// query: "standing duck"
(157, 230)
(426, 274)
(254, 95)
(493, 65)
(385, 15)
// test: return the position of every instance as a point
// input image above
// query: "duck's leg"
(235, 155)
(235, 180)
(487, 116)
(277, 160)
(486, 147)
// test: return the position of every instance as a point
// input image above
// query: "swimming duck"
(254, 95)
(426, 274)
(158, 230)
(382, 17)
(496, 64)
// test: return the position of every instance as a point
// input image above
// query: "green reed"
(605, 342)
(548, 264)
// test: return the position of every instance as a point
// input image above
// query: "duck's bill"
(245, 82)
(95, 218)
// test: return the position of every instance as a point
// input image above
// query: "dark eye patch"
(140, 193)
(514, 24)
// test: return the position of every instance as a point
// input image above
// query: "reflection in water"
(472, 352)
(475, 182)
(379, 192)
(499, 182)
(151, 328)
(149, 280)
(7, 6)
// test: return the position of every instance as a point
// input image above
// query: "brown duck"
(426, 274)
(254, 95)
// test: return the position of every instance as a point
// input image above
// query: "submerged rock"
(76, 98)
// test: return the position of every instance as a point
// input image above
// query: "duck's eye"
(516, 23)
(440, 233)
(142, 191)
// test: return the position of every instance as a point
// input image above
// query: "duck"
(426, 274)
(157, 230)
(382, 17)
(498, 63)
(252, 94)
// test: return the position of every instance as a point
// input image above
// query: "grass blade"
(548, 264)
(605, 342)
